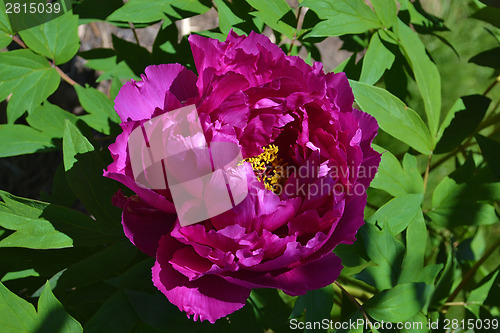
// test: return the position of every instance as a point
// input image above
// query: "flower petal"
(208, 298)
(145, 225)
(296, 281)
(139, 100)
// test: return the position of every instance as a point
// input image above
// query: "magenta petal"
(138, 100)
(224, 87)
(371, 159)
(208, 298)
(234, 110)
(296, 281)
(347, 227)
(151, 197)
(189, 263)
(145, 225)
(255, 43)
(368, 125)
(207, 54)
(340, 91)
(257, 134)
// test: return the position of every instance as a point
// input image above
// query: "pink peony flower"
(307, 158)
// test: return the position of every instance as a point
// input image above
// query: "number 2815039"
(32, 8)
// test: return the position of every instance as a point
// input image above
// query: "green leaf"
(423, 21)
(397, 180)
(355, 318)
(489, 58)
(32, 233)
(461, 121)
(317, 304)
(19, 275)
(116, 85)
(116, 315)
(227, 19)
(413, 269)
(426, 73)
(50, 119)
(106, 61)
(376, 60)
(136, 277)
(146, 11)
(16, 315)
(277, 14)
(83, 168)
(352, 255)
(135, 56)
(45, 262)
(419, 324)
(386, 10)
(99, 107)
(5, 28)
(83, 230)
(61, 193)
(491, 3)
(385, 251)
(480, 294)
(342, 17)
(30, 79)
(393, 116)
(20, 206)
(271, 311)
(137, 11)
(350, 67)
(74, 143)
(27, 14)
(490, 149)
(345, 64)
(399, 303)
(52, 317)
(5, 39)
(244, 321)
(456, 204)
(56, 39)
(20, 139)
(98, 266)
(95, 10)
(398, 213)
(446, 279)
(488, 14)
(158, 313)
(4, 21)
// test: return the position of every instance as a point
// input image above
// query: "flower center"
(268, 168)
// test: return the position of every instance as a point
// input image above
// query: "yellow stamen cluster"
(268, 168)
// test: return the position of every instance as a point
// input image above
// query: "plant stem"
(19, 41)
(299, 26)
(455, 304)
(131, 25)
(472, 271)
(492, 85)
(59, 71)
(352, 299)
(427, 170)
(63, 75)
(366, 289)
(492, 120)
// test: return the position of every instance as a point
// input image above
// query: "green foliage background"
(429, 73)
